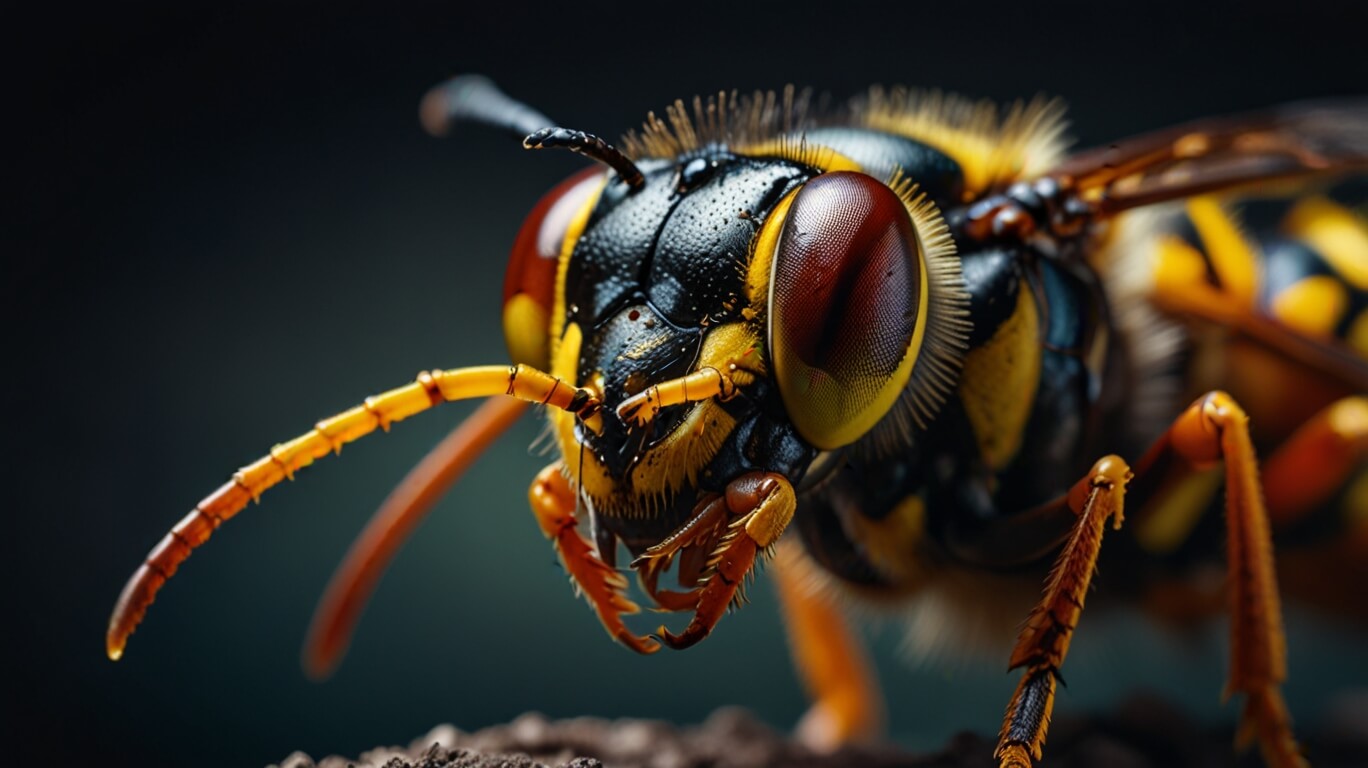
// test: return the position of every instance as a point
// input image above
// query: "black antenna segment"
(590, 146)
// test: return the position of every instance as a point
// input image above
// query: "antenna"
(476, 99)
(590, 146)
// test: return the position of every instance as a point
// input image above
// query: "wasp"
(938, 351)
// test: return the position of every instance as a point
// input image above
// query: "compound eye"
(847, 303)
(529, 282)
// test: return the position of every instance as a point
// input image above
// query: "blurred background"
(227, 224)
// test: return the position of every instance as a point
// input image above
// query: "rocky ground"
(1143, 732)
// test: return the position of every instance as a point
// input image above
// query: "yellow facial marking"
(572, 236)
(999, 382)
(584, 467)
(761, 265)
(733, 344)
(645, 346)
(676, 461)
(1313, 306)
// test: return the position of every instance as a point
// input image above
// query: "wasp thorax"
(847, 302)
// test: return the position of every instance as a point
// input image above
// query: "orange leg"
(1317, 460)
(1044, 640)
(847, 704)
(553, 502)
(328, 436)
(763, 503)
(1213, 429)
(406, 506)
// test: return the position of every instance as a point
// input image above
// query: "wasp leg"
(1316, 461)
(553, 502)
(763, 503)
(1211, 429)
(1044, 640)
(351, 586)
(847, 703)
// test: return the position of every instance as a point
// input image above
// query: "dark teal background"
(226, 224)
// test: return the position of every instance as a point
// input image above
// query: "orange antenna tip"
(377, 412)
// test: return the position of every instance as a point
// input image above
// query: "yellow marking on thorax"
(1231, 255)
(999, 381)
(1333, 231)
(991, 150)
(1313, 305)
(891, 543)
(572, 237)
(972, 153)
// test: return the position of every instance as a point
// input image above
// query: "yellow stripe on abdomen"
(1313, 306)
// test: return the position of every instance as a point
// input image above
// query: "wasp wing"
(1288, 143)
(1258, 152)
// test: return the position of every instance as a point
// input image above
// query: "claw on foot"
(761, 505)
(553, 502)
(734, 562)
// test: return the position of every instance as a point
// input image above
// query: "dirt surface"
(1143, 732)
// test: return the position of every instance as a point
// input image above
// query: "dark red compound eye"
(847, 299)
(530, 281)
